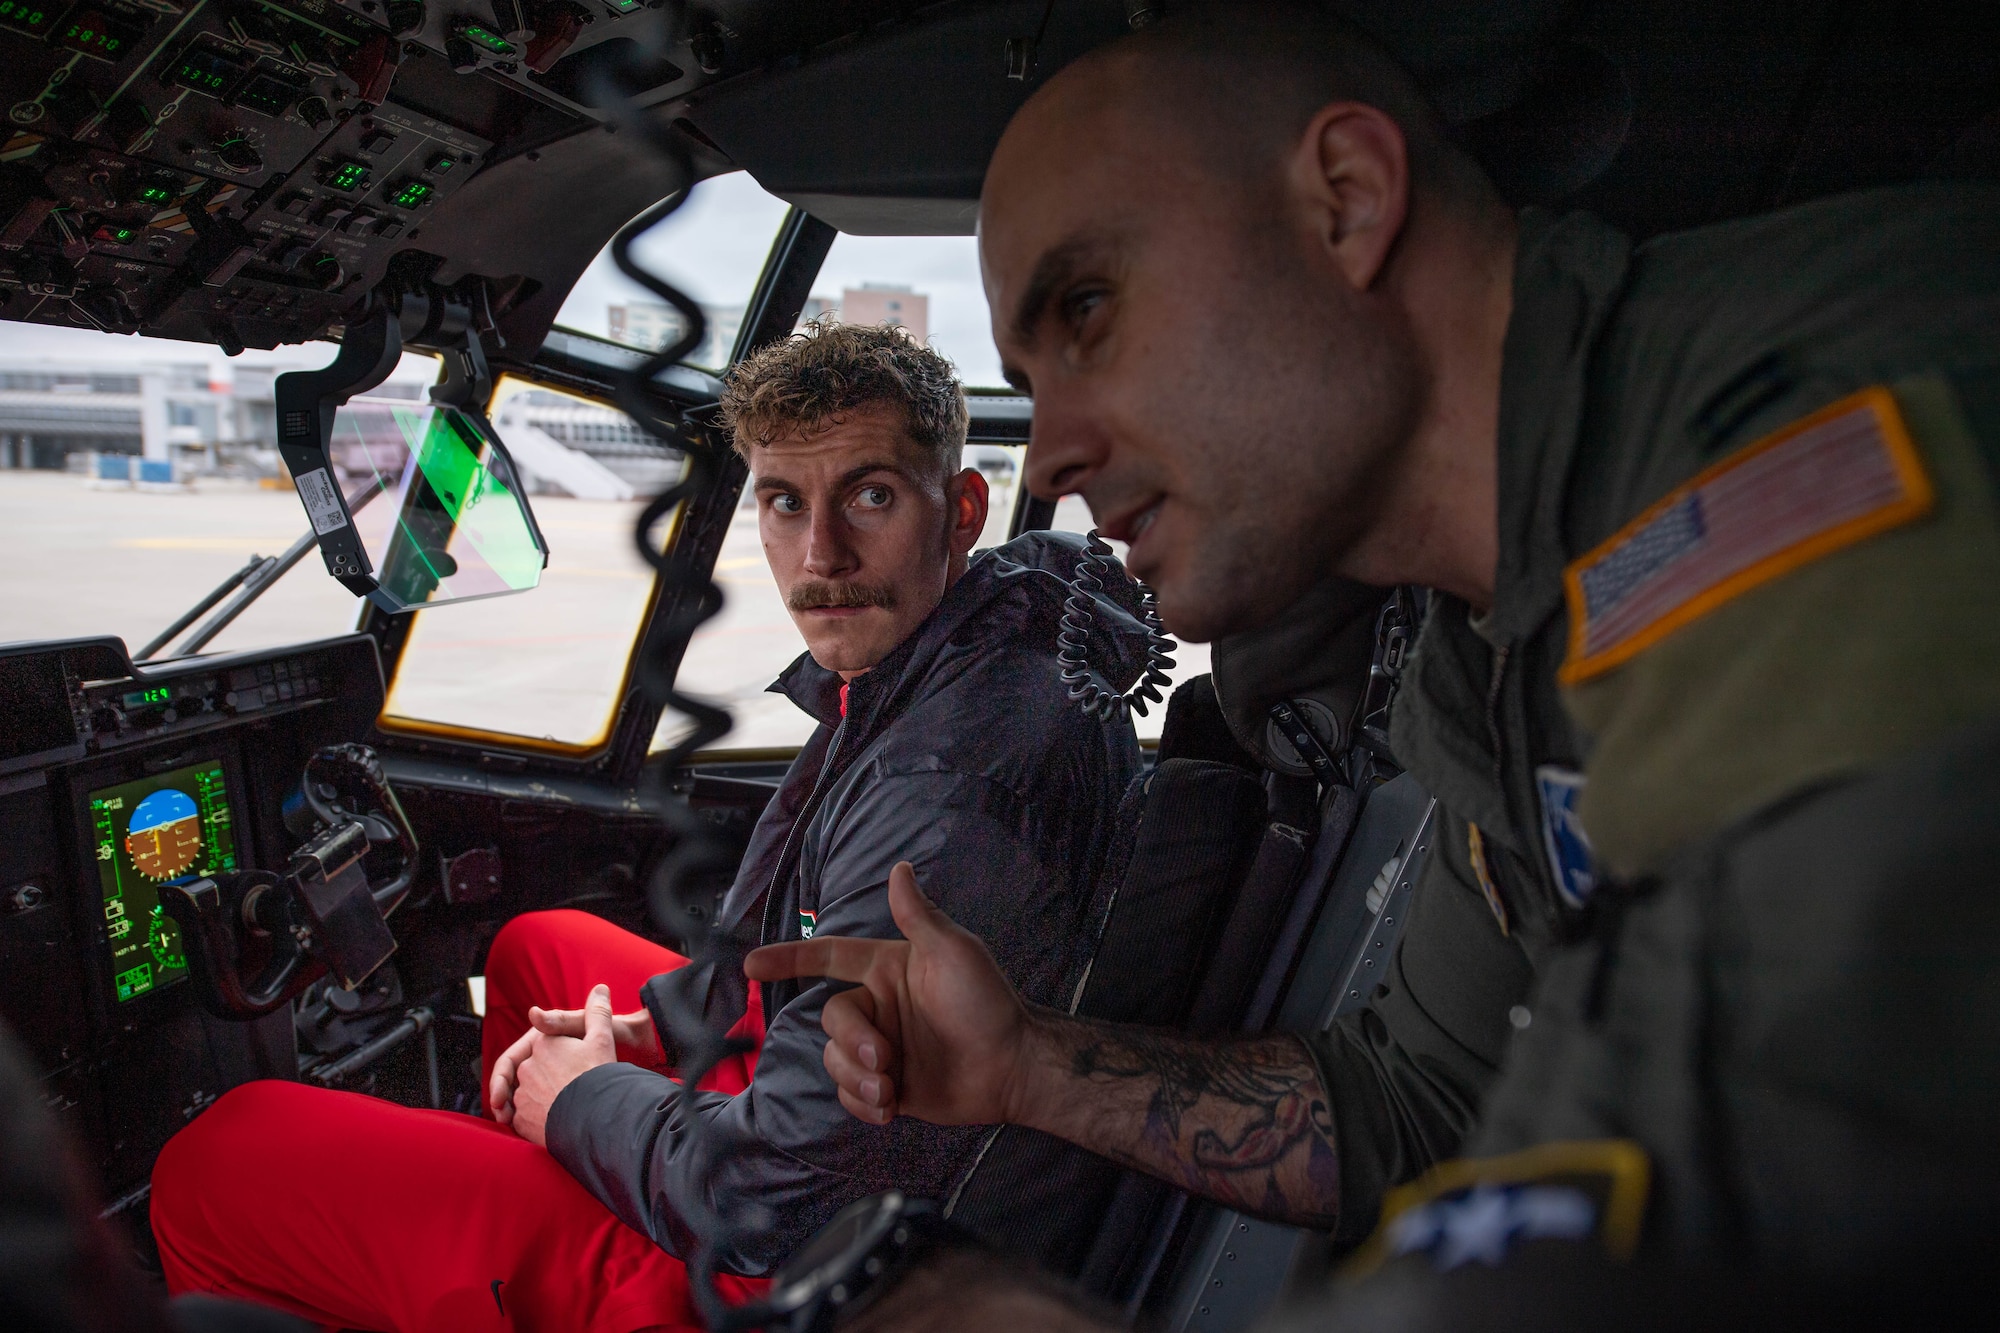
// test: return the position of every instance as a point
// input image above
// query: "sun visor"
(889, 215)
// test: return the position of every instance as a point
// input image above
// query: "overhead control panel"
(230, 171)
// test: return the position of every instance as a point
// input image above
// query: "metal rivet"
(1520, 1017)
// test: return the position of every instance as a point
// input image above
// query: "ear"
(1351, 171)
(966, 494)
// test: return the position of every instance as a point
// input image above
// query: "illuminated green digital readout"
(268, 94)
(345, 176)
(481, 35)
(204, 71)
(95, 33)
(119, 235)
(156, 194)
(623, 6)
(159, 694)
(410, 194)
(170, 828)
(27, 16)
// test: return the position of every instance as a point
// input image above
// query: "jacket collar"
(1042, 560)
(1569, 274)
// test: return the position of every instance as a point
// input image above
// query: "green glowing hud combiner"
(458, 525)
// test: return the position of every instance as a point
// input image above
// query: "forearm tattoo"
(1243, 1121)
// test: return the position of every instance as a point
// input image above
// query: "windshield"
(712, 247)
(928, 284)
(137, 474)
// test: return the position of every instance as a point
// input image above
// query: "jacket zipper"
(806, 813)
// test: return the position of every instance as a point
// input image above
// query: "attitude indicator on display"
(172, 828)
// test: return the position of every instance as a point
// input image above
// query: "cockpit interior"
(222, 865)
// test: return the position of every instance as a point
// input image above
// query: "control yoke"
(255, 939)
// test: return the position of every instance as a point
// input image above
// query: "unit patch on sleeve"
(1479, 1210)
(1844, 473)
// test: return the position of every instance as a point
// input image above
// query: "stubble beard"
(1327, 420)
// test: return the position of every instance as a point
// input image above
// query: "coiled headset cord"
(687, 885)
(1088, 689)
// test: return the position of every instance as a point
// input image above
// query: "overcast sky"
(713, 248)
(716, 244)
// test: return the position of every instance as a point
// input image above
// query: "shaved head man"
(1259, 304)
(1694, 514)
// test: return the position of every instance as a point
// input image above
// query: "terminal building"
(173, 422)
(167, 413)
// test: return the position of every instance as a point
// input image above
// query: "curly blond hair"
(803, 385)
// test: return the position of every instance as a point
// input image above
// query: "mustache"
(818, 594)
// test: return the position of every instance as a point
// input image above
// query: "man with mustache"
(946, 739)
(1710, 519)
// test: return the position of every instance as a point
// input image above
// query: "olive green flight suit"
(1785, 986)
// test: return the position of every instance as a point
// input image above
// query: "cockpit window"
(138, 475)
(551, 667)
(928, 284)
(713, 248)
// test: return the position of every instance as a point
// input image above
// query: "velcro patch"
(1844, 473)
(1478, 1209)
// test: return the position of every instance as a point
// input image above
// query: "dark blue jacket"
(960, 753)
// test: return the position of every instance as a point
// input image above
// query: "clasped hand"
(932, 1028)
(560, 1045)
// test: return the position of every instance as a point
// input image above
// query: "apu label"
(323, 505)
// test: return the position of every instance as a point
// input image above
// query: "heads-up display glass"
(172, 828)
(451, 524)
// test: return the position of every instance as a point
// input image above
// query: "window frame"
(577, 366)
(587, 367)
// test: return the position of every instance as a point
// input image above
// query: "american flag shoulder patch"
(1842, 474)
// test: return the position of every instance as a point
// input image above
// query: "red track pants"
(360, 1213)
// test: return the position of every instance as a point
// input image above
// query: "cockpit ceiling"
(1685, 111)
(878, 117)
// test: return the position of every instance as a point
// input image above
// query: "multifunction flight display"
(172, 828)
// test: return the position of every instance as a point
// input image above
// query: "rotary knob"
(238, 155)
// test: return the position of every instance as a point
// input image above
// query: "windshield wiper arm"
(248, 583)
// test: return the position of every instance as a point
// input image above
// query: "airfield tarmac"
(547, 663)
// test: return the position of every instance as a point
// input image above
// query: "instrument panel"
(116, 779)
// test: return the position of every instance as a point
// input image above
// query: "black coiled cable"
(688, 883)
(1090, 691)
